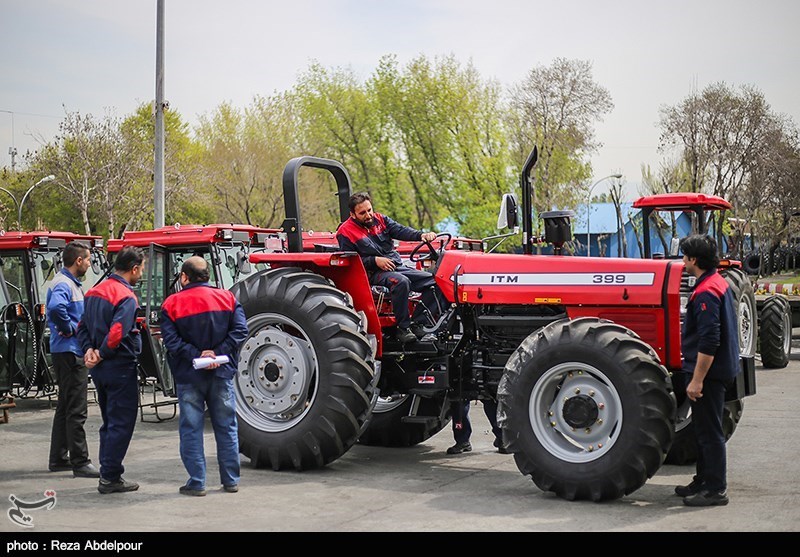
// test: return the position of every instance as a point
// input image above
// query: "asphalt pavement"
(416, 489)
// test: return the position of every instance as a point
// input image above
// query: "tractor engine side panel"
(643, 295)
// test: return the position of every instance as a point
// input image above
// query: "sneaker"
(86, 471)
(186, 490)
(501, 448)
(119, 486)
(405, 336)
(687, 490)
(706, 499)
(59, 467)
(231, 488)
(459, 448)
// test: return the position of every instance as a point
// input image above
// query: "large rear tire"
(587, 409)
(303, 372)
(744, 302)
(775, 332)
(387, 428)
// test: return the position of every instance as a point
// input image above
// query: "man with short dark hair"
(710, 346)
(371, 235)
(111, 342)
(201, 321)
(64, 306)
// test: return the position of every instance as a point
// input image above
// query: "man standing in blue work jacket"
(68, 448)
(710, 346)
(201, 321)
(111, 343)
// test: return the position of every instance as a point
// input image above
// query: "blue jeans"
(193, 398)
(118, 398)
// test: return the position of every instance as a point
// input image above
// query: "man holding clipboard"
(200, 322)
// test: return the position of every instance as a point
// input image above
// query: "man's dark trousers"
(68, 438)
(707, 413)
(118, 398)
(400, 283)
(462, 428)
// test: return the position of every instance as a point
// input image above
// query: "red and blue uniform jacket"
(109, 324)
(711, 327)
(201, 317)
(376, 240)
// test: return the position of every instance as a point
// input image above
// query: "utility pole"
(12, 150)
(158, 172)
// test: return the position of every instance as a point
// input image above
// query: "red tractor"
(763, 327)
(577, 351)
(765, 323)
(28, 263)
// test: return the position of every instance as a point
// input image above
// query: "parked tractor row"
(578, 352)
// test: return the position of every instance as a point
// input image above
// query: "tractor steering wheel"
(433, 253)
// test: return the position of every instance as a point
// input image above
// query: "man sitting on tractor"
(371, 235)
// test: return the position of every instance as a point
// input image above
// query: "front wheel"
(304, 371)
(587, 409)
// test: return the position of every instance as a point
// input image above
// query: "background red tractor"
(28, 263)
(763, 328)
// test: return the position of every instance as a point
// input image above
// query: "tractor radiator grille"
(687, 283)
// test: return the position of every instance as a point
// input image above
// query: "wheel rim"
(575, 412)
(746, 330)
(787, 337)
(278, 374)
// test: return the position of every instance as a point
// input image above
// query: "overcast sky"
(94, 56)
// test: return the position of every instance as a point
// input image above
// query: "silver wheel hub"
(575, 412)
(275, 369)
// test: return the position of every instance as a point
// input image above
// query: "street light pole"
(24, 197)
(589, 212)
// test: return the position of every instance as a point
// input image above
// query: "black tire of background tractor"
(775, 332)
(336, 405)
(613, 375)
(684, 446)
(747, 314)
(386, 429)
(751, 263)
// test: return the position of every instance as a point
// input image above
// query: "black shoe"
(186, 490)
(231, 488)
(60, 467)
(501, 448)
(459, 448)
(418, 330)
(86, 471)
(405, 336)
(119, 486)
(706, 499)
(687, 490)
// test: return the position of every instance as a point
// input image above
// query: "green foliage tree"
(555, 108)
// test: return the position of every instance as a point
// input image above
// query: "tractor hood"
(481, 278)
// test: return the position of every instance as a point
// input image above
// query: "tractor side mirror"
(674, 247)
(96, 269)
(508, 212)
(45, 265)
(244, 265)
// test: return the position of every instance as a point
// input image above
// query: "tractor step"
(428, 421)
(394, 347)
